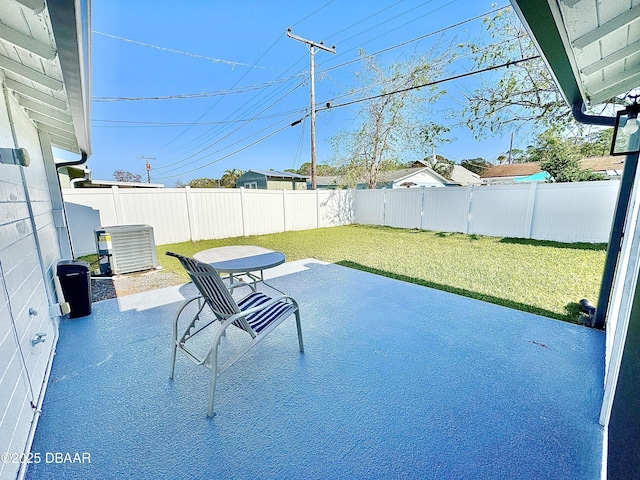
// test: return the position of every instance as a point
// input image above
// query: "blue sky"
(253, 79)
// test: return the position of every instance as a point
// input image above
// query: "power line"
(417, 39)
(428, 84)
(230, 154)
(218, 93)
(180, 52)
(142, 124)
(233, 131)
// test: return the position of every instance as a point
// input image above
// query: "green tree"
(598, 143)
(321, 169)
(229, 177)
(559, 156)
(523, 94)
(389, 119)
(476, 165)
(204, 183)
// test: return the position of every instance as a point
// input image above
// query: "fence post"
(317, 208)
(528, 225)
(421, 206)
(244, 213)
(193, 225)
(284, 209)
(384, 206)
(117, 204)
(467, 209)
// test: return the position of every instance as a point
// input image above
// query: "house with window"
(271, 180)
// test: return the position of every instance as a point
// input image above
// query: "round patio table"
(242, 260)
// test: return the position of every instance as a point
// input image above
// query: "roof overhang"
(45, 64)
(592, 48)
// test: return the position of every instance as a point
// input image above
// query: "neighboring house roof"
(405, 174)
(603, 164)
(459, 174)
(462, 176)
(114, 183)
(277, 174)
(511, 170)
(326, 180)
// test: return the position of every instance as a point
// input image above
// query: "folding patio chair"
(257, 314)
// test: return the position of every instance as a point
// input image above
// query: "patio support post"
(615, 240)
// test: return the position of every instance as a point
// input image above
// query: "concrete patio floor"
(397, 381)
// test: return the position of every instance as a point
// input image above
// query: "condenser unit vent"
(126, 249)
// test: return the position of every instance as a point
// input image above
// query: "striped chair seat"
(263, 318)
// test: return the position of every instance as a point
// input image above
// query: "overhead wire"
(180, 52)
(228, 121)
(428, 84)
(238, 128)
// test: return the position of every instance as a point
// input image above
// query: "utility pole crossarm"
(311, 43)
(312, 46)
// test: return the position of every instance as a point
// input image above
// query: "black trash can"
(75, 280)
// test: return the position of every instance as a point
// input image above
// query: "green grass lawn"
(546, 278)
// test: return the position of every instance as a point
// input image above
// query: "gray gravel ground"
(104, 288)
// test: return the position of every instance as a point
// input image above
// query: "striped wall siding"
(26, 284)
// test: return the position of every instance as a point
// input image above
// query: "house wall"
(422, 179)
(29, 250)
(283, 184)
(248, 177)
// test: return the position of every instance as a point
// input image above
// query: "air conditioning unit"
(126, 249)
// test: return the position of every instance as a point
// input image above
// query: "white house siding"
(26, 283)
(421, 179)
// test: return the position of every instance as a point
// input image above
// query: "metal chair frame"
(217, 296)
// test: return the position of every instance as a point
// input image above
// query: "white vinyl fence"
(184, 214)
(564, 212)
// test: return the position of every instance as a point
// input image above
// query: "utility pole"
(511, 150)
(312, 51)
(148, 166)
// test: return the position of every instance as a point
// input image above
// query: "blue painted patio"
(397, 381)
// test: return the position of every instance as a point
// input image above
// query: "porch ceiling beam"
(611, 86)
(610, 59)
(27, 91)
(612, 25)
(45, 110)
(36, 116)
(64, 134)
(28, 43)
(63, 143)
(36, 5)
(29, 73)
